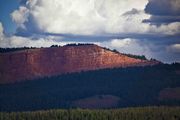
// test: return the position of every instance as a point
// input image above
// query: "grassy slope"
(141, 113)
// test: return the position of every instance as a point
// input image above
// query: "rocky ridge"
(33, 63)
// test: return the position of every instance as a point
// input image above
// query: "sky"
(140, 27)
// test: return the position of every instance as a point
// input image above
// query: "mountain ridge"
(39, 62)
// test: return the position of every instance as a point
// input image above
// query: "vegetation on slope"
(144, 113)
(142, 57)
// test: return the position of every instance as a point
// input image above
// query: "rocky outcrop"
(33, 63)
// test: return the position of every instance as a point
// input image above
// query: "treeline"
(5, 50)
(143, 113)
(136, 86)
(142, 57)
(78, 44)
(73, 44)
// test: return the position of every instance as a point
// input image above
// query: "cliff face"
(33, 63)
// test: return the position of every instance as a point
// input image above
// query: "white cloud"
(20, 16)
(3, 42)
(89, 17)
(18, 41)
(169, 29)
(121, 43)
(128, 45)
(175, 48)
(83, 16)
(1, 31)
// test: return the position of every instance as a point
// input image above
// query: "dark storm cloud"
(163, 11)
(162, 19)
(163, 7)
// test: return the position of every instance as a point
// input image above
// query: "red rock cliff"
(33, 63)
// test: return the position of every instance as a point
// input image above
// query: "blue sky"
(6, 8)
(143, 27)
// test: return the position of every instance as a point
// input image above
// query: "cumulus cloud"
(20, 16)
(33, 41)
(87, 17)
(121, 43)
(127, 45)
(18, 41)
(169, 29)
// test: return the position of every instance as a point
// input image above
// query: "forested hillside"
(121, 87)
